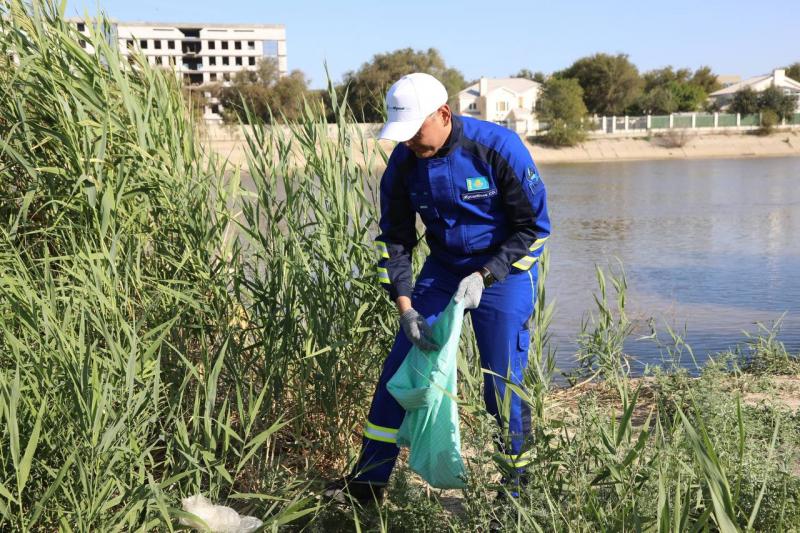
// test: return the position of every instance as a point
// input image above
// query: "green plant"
(769, 119)
(172, 325)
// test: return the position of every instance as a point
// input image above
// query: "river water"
(709, 247)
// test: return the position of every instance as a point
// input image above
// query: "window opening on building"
(237, 45)
(190, 33)
(190, 47)
(212, 45)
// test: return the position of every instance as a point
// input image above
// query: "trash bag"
(217, 518)
(425, 385)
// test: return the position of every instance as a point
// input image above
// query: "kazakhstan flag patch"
(479, 183)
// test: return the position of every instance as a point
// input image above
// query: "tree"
(561, 106)
(610, 83)
(772, 99)
(528, 74)
(368, 85)
(705, 79)
(664, 76)
(266, 94)
(793, 71)
(745, 101)
(668, 90)
(658, 101)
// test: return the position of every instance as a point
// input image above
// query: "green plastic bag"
(425, 385)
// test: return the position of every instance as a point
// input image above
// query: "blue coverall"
(483, 204)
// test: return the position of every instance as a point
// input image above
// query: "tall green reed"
(117, 330)
(168, 327)
(321, 324)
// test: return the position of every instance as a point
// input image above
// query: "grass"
(166, 330)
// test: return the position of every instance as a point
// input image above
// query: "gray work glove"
(418, 331)
(469, 291)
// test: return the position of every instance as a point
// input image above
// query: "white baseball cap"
(409, 102)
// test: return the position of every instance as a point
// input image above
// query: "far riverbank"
(228, 142)
(695, 146)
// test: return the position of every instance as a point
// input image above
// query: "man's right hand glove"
(418, 331)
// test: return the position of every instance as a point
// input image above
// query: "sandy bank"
(695, 147)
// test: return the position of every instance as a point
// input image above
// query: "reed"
(171, 324)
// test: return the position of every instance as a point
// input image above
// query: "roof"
(193, 25)
(749, 82)
(200, 25)
(517, 85)
(728, 79)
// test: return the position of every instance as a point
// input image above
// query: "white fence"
(692, 121)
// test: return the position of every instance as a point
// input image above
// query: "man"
(479, 194)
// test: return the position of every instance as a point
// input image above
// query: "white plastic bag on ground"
(220, 519)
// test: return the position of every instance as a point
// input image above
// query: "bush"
(561, 107)
(676, 138)
(769, 119)
(561, 134)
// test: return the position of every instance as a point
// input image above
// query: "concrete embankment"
(692, 146)
(228, 142)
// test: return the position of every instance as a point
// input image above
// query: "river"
(709, 247)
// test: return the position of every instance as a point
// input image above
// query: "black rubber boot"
(347, 490)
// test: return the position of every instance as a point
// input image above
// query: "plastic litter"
(218, 518)
(425, 385)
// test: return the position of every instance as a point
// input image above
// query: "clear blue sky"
(499, 38)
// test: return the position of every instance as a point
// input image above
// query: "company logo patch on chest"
(478, 195)
(478, 183)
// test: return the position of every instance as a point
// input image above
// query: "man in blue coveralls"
(479, 194)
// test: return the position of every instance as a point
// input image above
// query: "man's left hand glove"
(470, 290)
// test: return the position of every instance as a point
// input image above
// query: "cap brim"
(401, 131)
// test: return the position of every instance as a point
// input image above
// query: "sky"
(497, 39)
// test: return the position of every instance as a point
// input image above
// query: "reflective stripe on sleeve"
(383, 252)
(524, 263)
(380, 433)
(538, 244)
(383, 276)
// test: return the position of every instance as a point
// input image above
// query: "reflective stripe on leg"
(380, 433)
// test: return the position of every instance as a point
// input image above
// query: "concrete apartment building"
(507, 101)
(201, 53)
